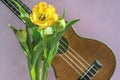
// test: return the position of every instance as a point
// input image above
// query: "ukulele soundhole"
(63, 46)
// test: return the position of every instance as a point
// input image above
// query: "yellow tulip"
(43, 15)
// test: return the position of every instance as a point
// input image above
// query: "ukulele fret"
(13, 7)
(28, 10)
(91, 71)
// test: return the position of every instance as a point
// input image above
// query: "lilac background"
(100, 19)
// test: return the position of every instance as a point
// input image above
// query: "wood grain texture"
(90, 50)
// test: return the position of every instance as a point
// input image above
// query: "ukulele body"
(90, 50)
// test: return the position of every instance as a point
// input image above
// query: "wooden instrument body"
(88, 49)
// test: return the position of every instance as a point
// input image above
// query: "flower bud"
(21, 35)
(60, 25)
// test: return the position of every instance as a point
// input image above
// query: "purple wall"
(100, 19)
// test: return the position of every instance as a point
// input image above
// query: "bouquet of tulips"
(40, 37)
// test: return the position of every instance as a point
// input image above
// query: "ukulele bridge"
(91, 71)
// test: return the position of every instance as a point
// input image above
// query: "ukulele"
(78, 58)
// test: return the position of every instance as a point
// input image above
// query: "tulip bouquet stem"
(40, 37)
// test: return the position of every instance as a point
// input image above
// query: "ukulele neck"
(13, 7)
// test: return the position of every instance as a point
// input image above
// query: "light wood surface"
(90, 50)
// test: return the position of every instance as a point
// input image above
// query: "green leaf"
(53, 52)
(23, 13)
(37, 52)
(26, 50)
(70, 23)
(36, 36)
(63, 15)
(14, 29)
(28, 22)
(38, 68)
(29, 41)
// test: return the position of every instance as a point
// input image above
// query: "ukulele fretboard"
(12, 6)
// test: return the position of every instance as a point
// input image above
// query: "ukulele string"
(75, 62)
(72, 61)
(73, 57)
(15, 11)
(77, 55)
(72, 65)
